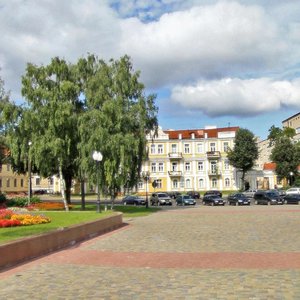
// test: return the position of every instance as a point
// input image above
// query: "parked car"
(213, 192)
(135, 200)
(185, 200)
(238, 199)
(294, 190)
(213, 199)
(194, 194)
(292, 199)
(174, 194)
(250, 193)
(267, 197)
(160, 199)
(280, 192)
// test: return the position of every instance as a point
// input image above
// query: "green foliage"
(245, 151)
(276, 133)
(117, 118)
(286, 155)
(74, 109)
(22, 201)
(2, 198)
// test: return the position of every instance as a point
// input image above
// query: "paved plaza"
(178, 253)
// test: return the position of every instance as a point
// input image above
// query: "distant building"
(191, 159)
(10, 181)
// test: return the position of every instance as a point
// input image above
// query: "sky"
(210, 62)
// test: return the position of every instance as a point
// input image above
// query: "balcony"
(213, 154)
(175, 173)
(214, 173)
(175, 155)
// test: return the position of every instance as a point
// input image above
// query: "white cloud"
(210, 41)
(189, 40)
(35, 32)
(237, 97)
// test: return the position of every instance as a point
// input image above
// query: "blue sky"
(210, 62)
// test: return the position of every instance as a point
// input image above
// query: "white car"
(295, 190)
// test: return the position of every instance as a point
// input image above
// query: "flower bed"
(16, 217)
(48, 206)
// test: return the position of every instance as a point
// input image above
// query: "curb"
(28, 248)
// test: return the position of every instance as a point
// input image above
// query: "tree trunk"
(82, 190)
(62, 188)
(68, 179)
(243, 180)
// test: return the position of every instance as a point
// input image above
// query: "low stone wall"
(28, 248)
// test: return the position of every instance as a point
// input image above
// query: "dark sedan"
(134, 200)
(213, 200)
(292, 199)
(238, 199)
(185, 200)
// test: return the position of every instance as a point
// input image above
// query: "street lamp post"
(97, 157)
(29, 173)
(146, 176)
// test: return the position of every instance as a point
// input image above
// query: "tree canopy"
(117, 118)
(275, 133)
(285, 152)
(244, 153)
(72, 110)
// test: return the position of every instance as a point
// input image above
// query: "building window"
(153, 167)
(140, 185)
(213, 167)
(214, 183)
(0, 183)
(212, 147)
(200, 166)
(7, 183)
(159, 183)
(187, 167)
(15, 182)
(174, 166)
(174, 148)
(201, 183)
(200, 148)
(188, 183)
(51, 181)
(227, 182)
(226, 164)
(175, 183)
(160, 167)
(152, 149)
(22, 182)
(0, 167)
(37, 181)
(186, 148)
(225, 146)
(160, 149)
(8, 167)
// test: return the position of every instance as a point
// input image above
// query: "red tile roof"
(199, 133)
(271, 166)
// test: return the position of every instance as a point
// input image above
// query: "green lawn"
(64, 219)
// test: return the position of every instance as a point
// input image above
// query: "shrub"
(2, 198)
(22, 201)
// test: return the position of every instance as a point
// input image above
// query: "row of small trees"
(73, 109)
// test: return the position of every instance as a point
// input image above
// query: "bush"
(22, 201)
(2, 198)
